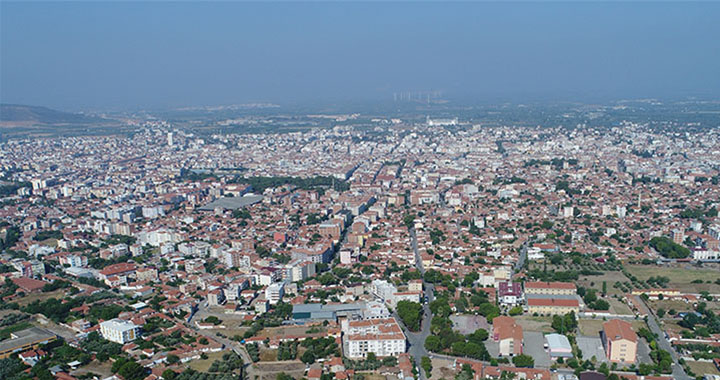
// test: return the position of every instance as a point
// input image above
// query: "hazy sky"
(156, 54)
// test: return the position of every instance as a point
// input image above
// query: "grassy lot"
(530, 323)
(619, 307)
(287, 330)
(670, 304)
(595, 282)
(672, 325)
(203, 365)
(592, 327)
(703, 368)
(267, 355)
(681, 276)
(60, 293)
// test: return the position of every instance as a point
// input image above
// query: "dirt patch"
(531, 323)
(102, 369)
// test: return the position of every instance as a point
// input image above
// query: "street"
(678, 371)
(417, 339)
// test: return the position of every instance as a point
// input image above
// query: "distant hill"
(15, 113)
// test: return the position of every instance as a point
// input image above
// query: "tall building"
(620, 341)
(119, 331)
(275, 292)
(509, 336)
(678, 235)
(170, 139)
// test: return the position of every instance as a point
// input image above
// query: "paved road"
(678, 371)
(522, 257)
(417, 339)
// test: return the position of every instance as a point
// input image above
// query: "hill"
(22, 114)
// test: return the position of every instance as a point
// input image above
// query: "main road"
(417, 339)
(678, 371)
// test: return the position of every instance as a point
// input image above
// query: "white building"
(275, 292)
(702, 254)
(383, 337)
(299, 270)
(119, 331)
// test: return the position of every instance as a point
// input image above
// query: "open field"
(531, 323)
(592, 327)
(230, 332)
(372, 376)
(96, 367)
(277, 332)
(595, 282)
(681, 276)
(268, 355)
(203, 365)
(668, 305)
(442, 369)
(269, 371)
(703, 368)
(672, 325)
(60, 293)
(618, 307)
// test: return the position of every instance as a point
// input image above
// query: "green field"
(681, 277)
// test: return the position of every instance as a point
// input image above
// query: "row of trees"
(411, 314)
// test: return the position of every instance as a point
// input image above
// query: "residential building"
(550, 288)
(119, 331)
(553, 306)
(620, 341)
(509, 336)
(383, 337)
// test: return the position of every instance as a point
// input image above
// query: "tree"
(523, 361)
(172, 359)
(283, 376)
(517, 310)
(308, 357)
(131, 370)
(426, 365)
(479, 336)
(410, 313)
(432, 343)
(169, 374)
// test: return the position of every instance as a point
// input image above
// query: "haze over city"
(359, 191)
(153, 54)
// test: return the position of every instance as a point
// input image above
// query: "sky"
(130, 55)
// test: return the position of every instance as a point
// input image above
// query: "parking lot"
(467, 324)
(591, 346)
(534, 342)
